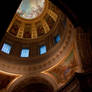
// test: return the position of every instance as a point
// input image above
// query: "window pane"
(43, 50)
(6, 48)
(57, 38)
(25, 53)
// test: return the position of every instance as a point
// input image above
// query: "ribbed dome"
(37, 43)
(34, 19)
(41, 45)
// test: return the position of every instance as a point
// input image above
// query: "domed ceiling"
(22, 31)
(37, 24)
(34, 19)
(30, 9)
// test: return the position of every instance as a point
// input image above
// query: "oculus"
(30, 9)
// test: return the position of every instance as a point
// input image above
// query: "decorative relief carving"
(34, 31)
(53, 15)
(21, 31)
(47, 23)
(45, 26)
(27, 31)
(15, 27)
(40, 29)
(41, 66)
(65, 70)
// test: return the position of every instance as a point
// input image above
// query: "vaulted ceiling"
(77, 9)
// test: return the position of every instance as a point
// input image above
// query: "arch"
(32, 79)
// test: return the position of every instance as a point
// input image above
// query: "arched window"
(30, 9)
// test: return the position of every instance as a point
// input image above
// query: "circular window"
(30, 9)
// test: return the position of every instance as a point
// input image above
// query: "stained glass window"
(6, 48)
(43, 50)
(57, 38)
(25, 53)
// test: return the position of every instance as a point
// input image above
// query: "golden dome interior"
(34, 28)
(45, 48)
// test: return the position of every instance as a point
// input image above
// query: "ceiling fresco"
(64, 71)
(30, 9)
